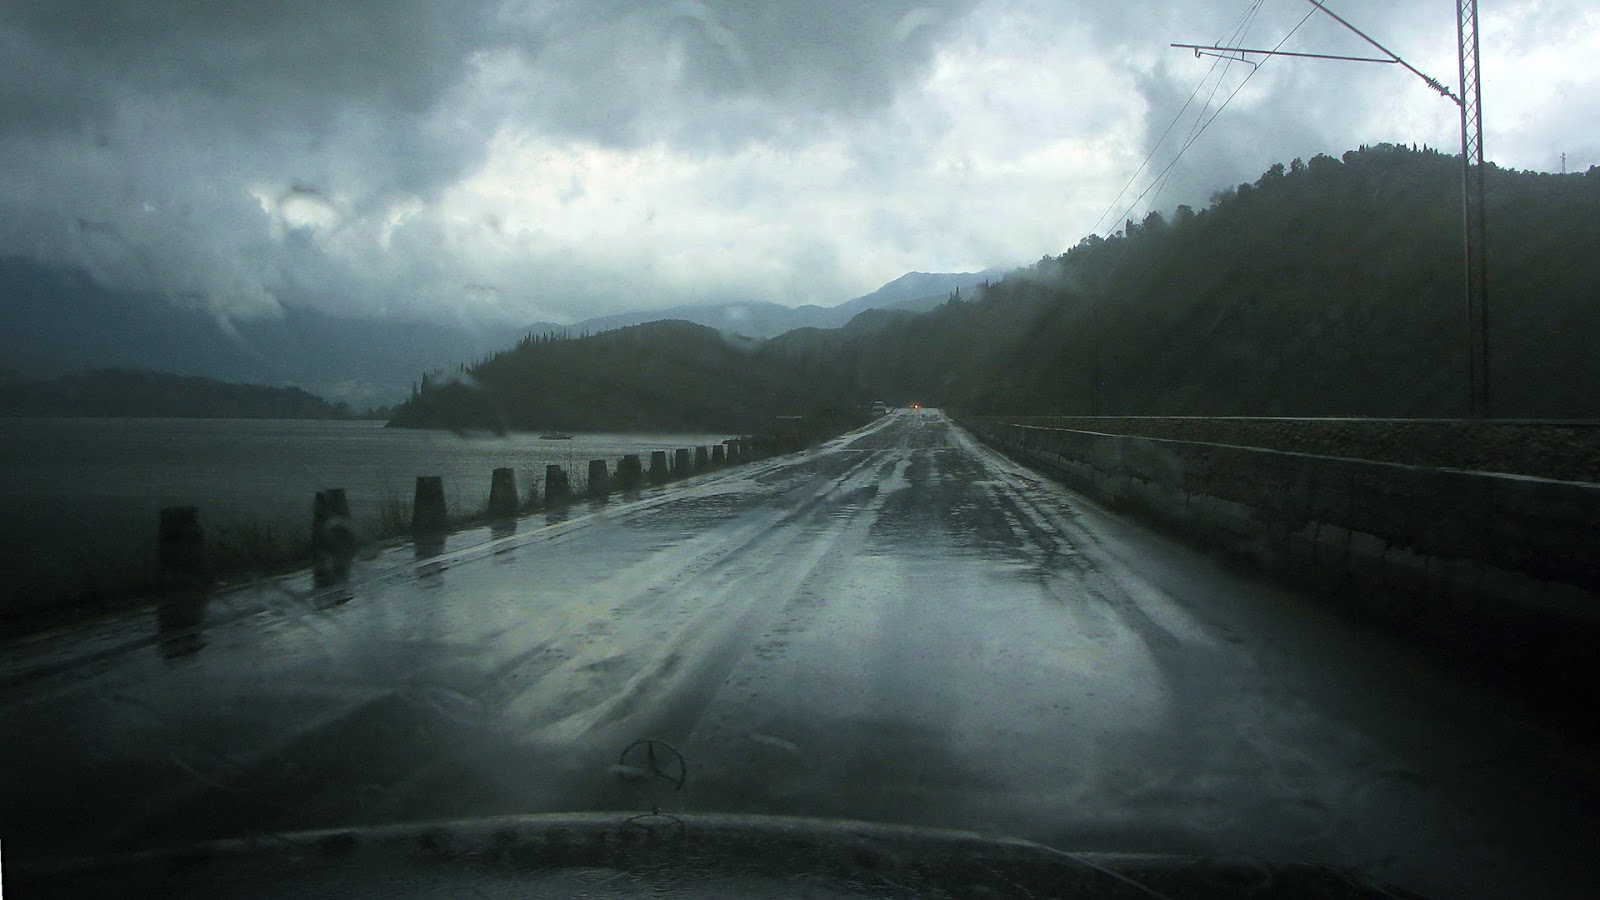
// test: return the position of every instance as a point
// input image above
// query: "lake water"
(79, 498)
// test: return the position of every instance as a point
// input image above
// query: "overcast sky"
(555, 159)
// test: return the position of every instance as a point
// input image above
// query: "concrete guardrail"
(1502, 568)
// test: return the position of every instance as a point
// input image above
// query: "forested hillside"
(1328, 287)
(657, 376)
(122, 392)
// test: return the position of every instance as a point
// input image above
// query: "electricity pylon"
(1475, 236)
(1474, 220)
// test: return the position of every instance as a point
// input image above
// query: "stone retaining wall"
(1501, 567)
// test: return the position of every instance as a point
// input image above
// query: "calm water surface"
(80, 497)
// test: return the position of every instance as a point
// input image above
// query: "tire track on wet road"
(900, 625)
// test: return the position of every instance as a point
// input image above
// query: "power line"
(1238, 32)
(1214, 50)
(1207, 124)
(1473, 171)
(1095, 373)
(1389, 56)
(1194, 128)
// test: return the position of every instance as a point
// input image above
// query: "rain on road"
(898, 626)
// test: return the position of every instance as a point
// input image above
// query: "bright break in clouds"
(519, 161)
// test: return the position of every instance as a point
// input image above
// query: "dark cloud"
(830, 55)
(284, 56)
(716, 74)
(158, 120)
(267, 88)
(553, 158)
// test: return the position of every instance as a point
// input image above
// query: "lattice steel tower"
(1474, 219)
(1475, 242)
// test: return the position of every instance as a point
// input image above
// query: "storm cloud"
(514, 161)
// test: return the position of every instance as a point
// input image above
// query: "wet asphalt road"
(900, 626)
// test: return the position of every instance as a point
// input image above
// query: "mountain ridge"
(57, 321)
(1329, 287)
(917, 291)
(126, 393)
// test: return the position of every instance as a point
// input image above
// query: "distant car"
(879, 409)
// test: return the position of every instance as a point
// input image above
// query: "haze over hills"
(917, 291)
(1328, 287)
(118, 393)
(56, 322)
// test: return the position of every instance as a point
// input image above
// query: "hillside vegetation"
(122, 392)
(653, 377)
(1328, 287)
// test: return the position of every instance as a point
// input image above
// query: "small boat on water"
(555, 436)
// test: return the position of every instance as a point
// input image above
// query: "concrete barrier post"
(503, 501)
(181, 557)
(181, 548)
(702, 459)
(333, 537)
(330, 505)
(630, 472)
(680, 463)
(556, 488)
(658, 467)
(428, 514)
(719, 455)
(599, 479)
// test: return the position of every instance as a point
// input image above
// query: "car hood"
(665, 856)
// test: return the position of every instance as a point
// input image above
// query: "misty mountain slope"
(118, 393)
(58, 321)
(1325, 288)
(754, 319)
(54, 321)
(1332, 287)
(915, 291)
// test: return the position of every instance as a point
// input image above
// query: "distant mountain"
(664, 375)
(56, 321)
(754, 319)
(916, 291)
(1329, 287)
(122, 393)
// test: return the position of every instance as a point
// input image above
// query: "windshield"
(977, 415)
